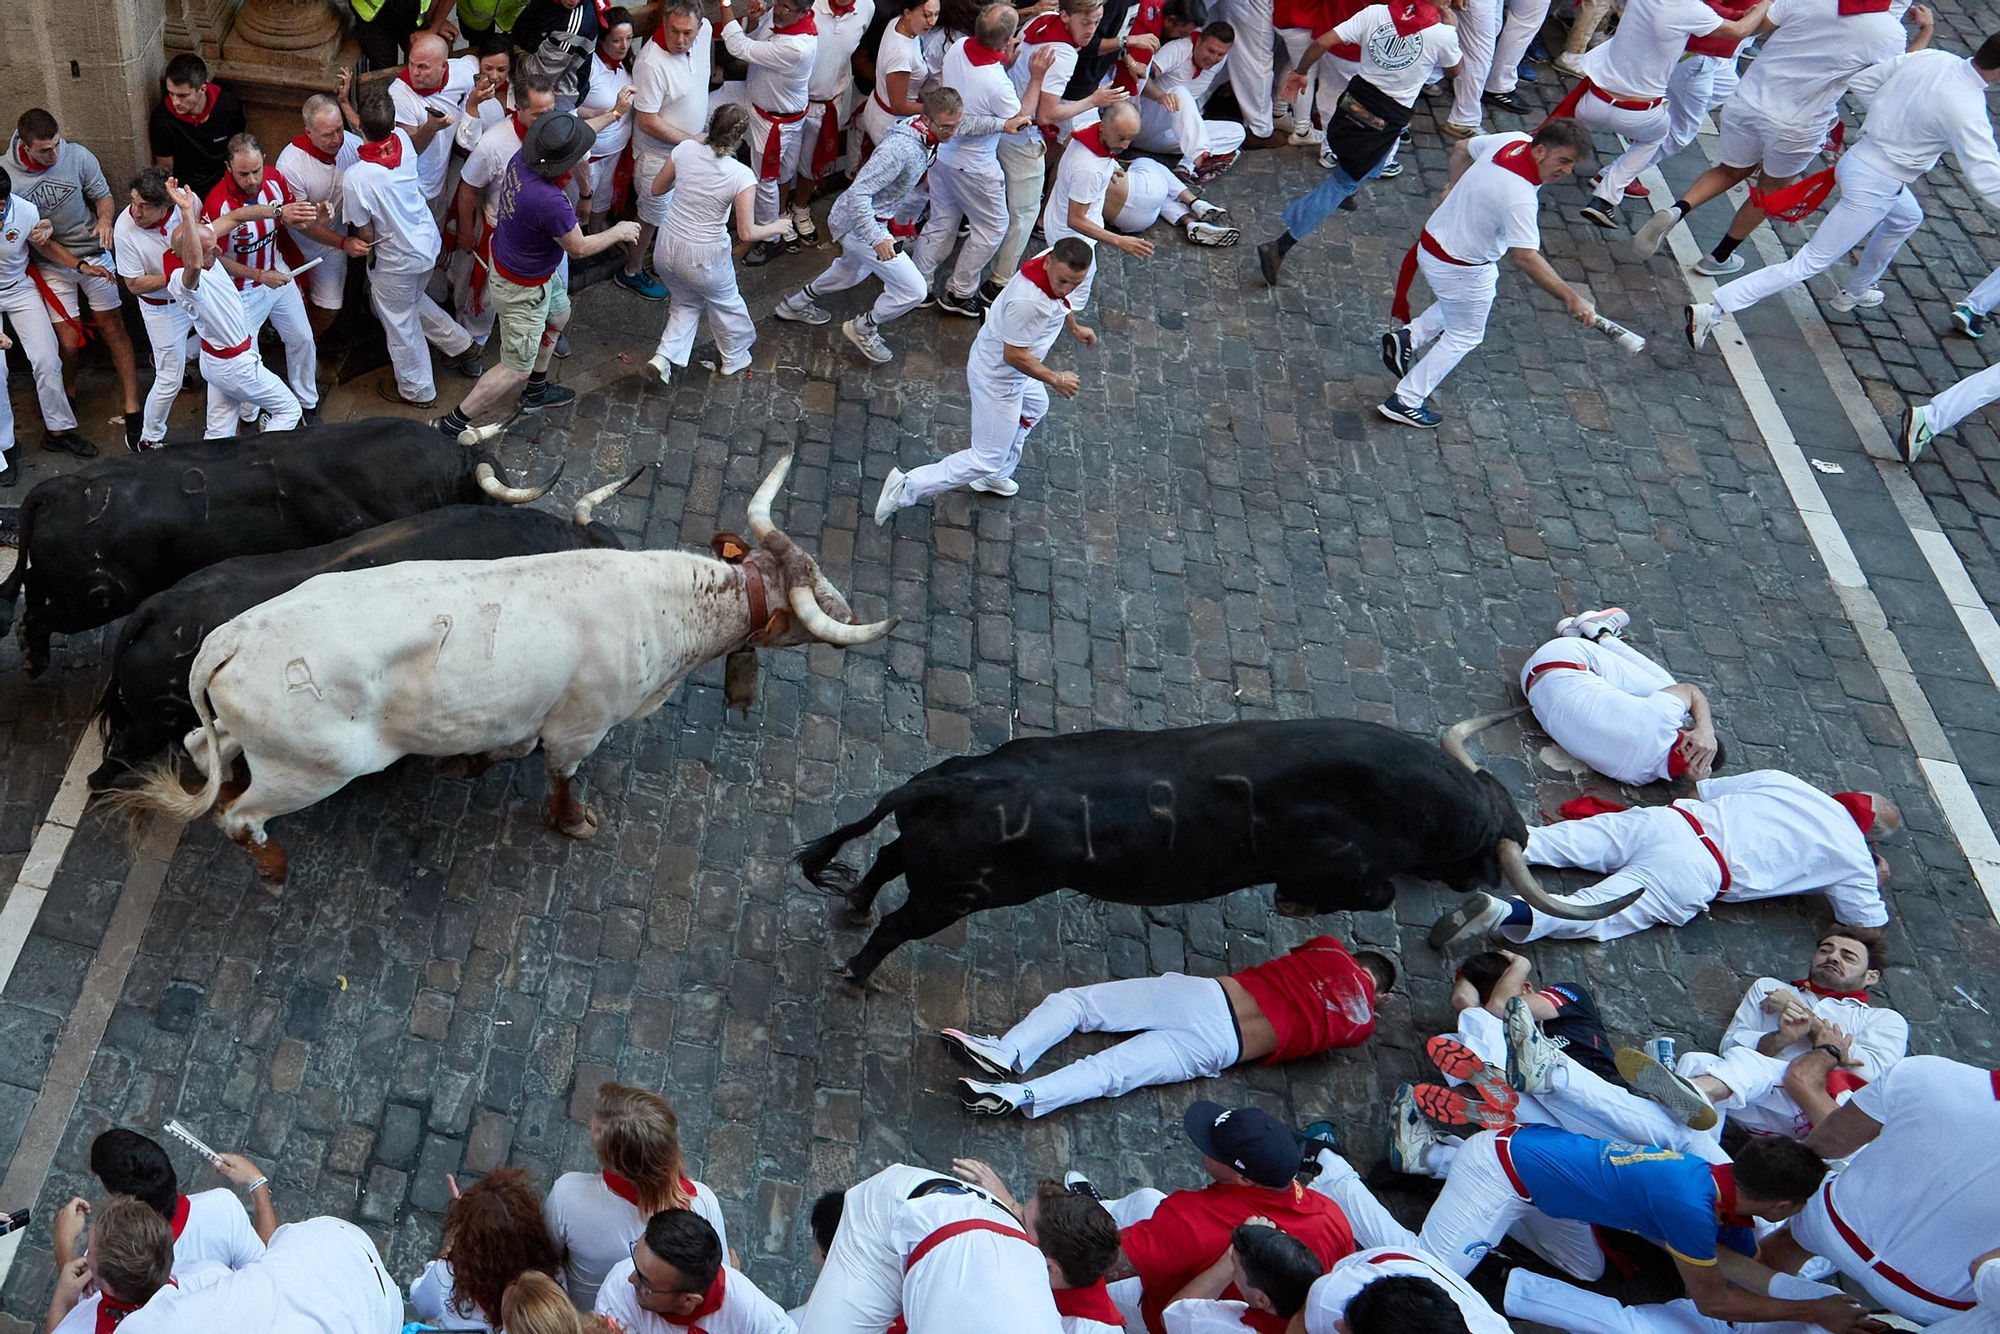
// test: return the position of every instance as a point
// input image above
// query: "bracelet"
(1830, 1050)
(260, 1181)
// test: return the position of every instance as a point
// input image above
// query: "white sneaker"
(1306, 134)
(1646, 241)
(986, 1053)
(1410, 1135)
(985, 1099)
(866, 340)
(802, 223)
(1701, 322)
(661, 367)
(1569, 62)
(800, 308)
(1846, 300)
(1327, 157)
(892, 496)
(1479, 914)
(1076, 1183)
(1917, 432)
(1645, 1073)
(1208, 233)
(1207, 211)
(1531, 1057)
(996, 486)
(1708, 266)
(1591, 624)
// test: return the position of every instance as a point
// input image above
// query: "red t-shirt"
(1308, 14)
(1316, 997)
(1191, 1228)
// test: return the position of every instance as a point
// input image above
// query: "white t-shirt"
(141, 251)
(988, 90)
(1784, 836)
(489, 160)
(744, 1310)
(218, 1228)
(1637, 60)
(1921, 1194)
(1803, 67)
(413, 108)
(1023, 315)
(321, 1276)
(839, 35)
(406, 236)
(317, 182)
(1616, 717)
(673, 87)
(1080, 175)
(1492, 209)
(434, 1297)
(1173, 71)
(704, 193)
(82, 1318)
(1400, 66)
(1192, 1315)
(16, 222)
(213, 304)
(1881, 1039)
(606, 82)
(1330, 1294)
(594, 1228)
(780, 65)
(898, 55)
(976, 1282)
(1045, 30)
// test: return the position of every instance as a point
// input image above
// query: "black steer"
(95, 543)
(1326, 810)
(145, 703)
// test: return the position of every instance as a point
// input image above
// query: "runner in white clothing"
(830, 93)
(322, 1275)
(1178, 82)
(314, 164)
(1924, 422)
(252, 254)
(1490, 210)
(780, 55)
(1550, 1301)
(900, 69)
(140, 242)
(670, 104)
(1383, 1289)
(430, 98)
(1145, 192)
(132, 1257)
(1919, 105)
(1009, 380)
(1076, 200)
(1615, 709)
(678, 1277)
(1758, 835)
(196, 282)
(611, 94)
(23, 228)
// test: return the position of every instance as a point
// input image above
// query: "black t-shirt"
(1091, 67)
(1578, 1028)
(199, 150)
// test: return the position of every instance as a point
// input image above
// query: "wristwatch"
(1830, 1050)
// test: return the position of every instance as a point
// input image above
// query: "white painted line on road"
(1939, 763)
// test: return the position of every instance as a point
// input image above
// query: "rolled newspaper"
(1619, 334)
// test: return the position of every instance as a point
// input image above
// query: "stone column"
(95, 66)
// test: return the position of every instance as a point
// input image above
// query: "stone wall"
(96, 66)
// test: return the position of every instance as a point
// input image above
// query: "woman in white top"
(692, 254)
(608, 78)
(595, 1217)
(900, 69)
(493, 1234)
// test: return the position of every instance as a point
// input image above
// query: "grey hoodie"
(66, 194)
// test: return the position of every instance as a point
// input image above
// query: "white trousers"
(1025, 165)
(1552, 1302)
(1987, 295)
(1872, 205)
(1757, 1099)
(1478, 34)
(167, 329)
(1183, 1029)
(1151, 193)
(1524, 19)
(1966, 397)
(1250, 60)
(1183, 131)
(28, 317)
(788, 161)
(1814, 1230)
(243, 382)
(701, 280)
(1324, 81)
(979, 197)
(1646, 131)
(1455, 321)
(860, 1289)
(284, 308)
(1371, 1224)
(903, 288)
(1002, 416)
(1479, 1205)
(1126, 1210)
(410, 318)
(6, 429)
(1649, 848)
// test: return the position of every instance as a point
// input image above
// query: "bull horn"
(473, 436)
(824, 628)
(1455, 736)
(1522, 881)
(761, 526)
(490, 483)
(588, 505)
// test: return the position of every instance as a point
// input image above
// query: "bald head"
(1887, 815)
(430, 45)
(996, 26)
(1117, 126)
(429, 56)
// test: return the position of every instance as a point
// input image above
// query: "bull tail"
(816, 859)
(158, 786)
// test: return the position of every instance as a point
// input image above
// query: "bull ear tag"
(739, 680)
(729, 547)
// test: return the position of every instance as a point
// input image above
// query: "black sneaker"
(68, 442)
(951, 303)
(1396, 410)
(446, 429)
(1397, 354)
(551, 396)
(310, 417)
(1507, 102)
(1600, 212)
(761, 254)
(930, 300)
(134, 423)
(1351, 204)
(988, 293)
(1269, 258)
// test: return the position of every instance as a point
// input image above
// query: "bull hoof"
(857, 917)
(580, 824)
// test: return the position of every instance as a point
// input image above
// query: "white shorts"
(99, 293)
(602, 169)
(326, 285)
(645, 166)
(1749, 138)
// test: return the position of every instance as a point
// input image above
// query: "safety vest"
(487, 15)
(366, 10)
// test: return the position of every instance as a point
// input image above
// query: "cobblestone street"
(1218, 527)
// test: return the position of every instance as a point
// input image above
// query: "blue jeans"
(1305, 213)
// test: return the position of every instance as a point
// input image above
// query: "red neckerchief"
(305, 145)
(711, 1302)
(1047, 29)
(1412, 16)
(1818, 990)
(182, 1208)
(1516, 158)
(1036, 271)
(209, 93)
(384, 152)
(424, 92)
(979, 54)
(660, 34)
(1859, 805)
(804, 26)
(161, 227)
(1091, 1303)
(840, 10)
(923, 127)
(21, 156)
(1091, 139)
(1725, 1198)
(623, 1188)
(520, 130)
(1848, 8)
(613, 68)
(110, 1311)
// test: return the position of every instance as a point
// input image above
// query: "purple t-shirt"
(532, 215)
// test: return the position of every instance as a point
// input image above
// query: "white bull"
(349, 672)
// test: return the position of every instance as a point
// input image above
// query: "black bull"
(96, 543)
(1325, 810)
(145, 701)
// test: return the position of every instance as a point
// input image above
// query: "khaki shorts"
(523, 314)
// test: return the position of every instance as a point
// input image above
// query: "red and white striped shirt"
(253, 243)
